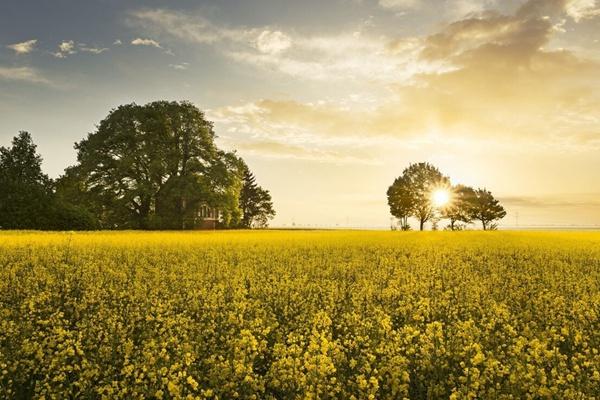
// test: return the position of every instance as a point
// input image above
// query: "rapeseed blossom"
(299, 315)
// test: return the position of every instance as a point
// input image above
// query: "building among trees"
(154, 166)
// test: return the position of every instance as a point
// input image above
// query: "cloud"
(23, 47)
(399, 4)
(283, 150)
(69, 47)
(195, 29)
(181, 67)
(93, 50)
(272, 42)
(146, 42)
(65, 48)
(460, 8)
(346, 55)
(582, 9)
(571, 200)
(499, 83)
(288, 129)
(25, 74)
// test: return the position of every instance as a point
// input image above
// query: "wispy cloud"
(347, 55)
(23, 47)
(25, 74)
(272, 42)
(571, 200)
(181, 66)
(145, 42)
(284, 150)
(582, 9)
(399, 4)
(195, 29)
(70, 47)
(65, 48)
(93, 50)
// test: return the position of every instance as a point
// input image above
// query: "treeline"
(152, 166)
(424, 193)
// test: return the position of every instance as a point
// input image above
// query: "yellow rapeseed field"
(306, 315)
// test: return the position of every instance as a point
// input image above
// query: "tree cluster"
(411, 196)
(145, 167)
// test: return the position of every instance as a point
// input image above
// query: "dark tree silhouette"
(401, 200)
(485, 208)
(25, 192)
(255, 202)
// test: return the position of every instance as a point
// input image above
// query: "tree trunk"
(183, 212)
(422, 223)
(484, 225)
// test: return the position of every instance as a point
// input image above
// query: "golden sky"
(330, 102)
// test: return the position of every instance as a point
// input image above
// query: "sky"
(328, 101)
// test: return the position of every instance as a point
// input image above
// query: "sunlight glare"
(440, 197)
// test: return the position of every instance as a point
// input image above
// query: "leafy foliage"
(153, 166)
(140, 155)
(255, 202)
(401, 200)
(410, 194)
(25, 191)
(486, 208)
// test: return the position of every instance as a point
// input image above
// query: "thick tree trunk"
(421, 224)
(484, 223)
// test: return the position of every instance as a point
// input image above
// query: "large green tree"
(255, 202)
(25, 191)
(150, 166)
(487, 209)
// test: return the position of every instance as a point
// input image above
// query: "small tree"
(401, 201)
(459, 208)
(422, 179)
(255, 202)
(485, 208)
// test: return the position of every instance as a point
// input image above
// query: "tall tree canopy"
(151, 166)
(255, 202)
(25, 191)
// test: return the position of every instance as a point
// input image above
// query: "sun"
(440, 197)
